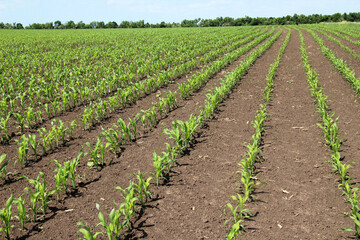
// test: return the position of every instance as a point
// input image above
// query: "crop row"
(248, 179)
(186, 129)
(338, 63)
(59, 134)
(331, 135)
(183, 133)
(123, 96)
(104, 84)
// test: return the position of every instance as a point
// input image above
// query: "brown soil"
(346, 43)
(343, 101)
(340, 53)
(298, 200)
(191, 205)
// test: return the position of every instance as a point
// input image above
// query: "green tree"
(111, 25)
(19, 26)
(100, 24)
(80, 25)
(49, 25)
(57, 24)
(125, 24)
(70, 25)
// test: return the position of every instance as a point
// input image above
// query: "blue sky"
(153, 11)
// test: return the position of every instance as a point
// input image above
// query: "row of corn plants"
(75, 96)
(140, 66)
(336, 41)
(183, 134)
(198, 80)
(141, 89)
(116, 138)
(248, 179)
(33, 204)
(338, 63)
(331, 135)
(46, 143)
(344, 33)
(122, 133)
(99, 110)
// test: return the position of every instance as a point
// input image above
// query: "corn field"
(219, 133)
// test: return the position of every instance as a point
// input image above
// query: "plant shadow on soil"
(138, 227)
(37, 227)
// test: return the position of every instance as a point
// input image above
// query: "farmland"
(201, 133)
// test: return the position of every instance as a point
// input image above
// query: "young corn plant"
(73, 125)
(59, 131)
(22, 216)
(86, 232)
(40, 118)
(5, 216)
(160, 164)
(34, 199)
(20, 119)
(239, 213)
(133, 123)
(175, 134)
(34, 145)
(125, 130)
(71, 167)
(3, 165)
(22, 150)
(127, 208)
(40, 192)
(114, 139)
(114, 227)
(46, 140)
(30, 118)
(5, 137)
(355, 213)
(97, 154)
(142, 188)
(47, 111)
(61, 176)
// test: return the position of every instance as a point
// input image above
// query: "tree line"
(198, 22)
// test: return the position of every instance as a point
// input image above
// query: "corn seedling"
(133, 123)
(40, 116)
(71, 167)
(46, 140)
(5, 137)
(160, 164)
(114, 139)
(97, 154)
(34, 144)
(20, 119)
(22, 216)
(175, 134)
(86, 232)
(5, 216)
(125, 130)
(127, 208)
(71, 130)
(30, 117)
(22, 150)
(355, 212)
(142, 188)
(3, 165)
(61, 176)
(114, 227)
(39, 193)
